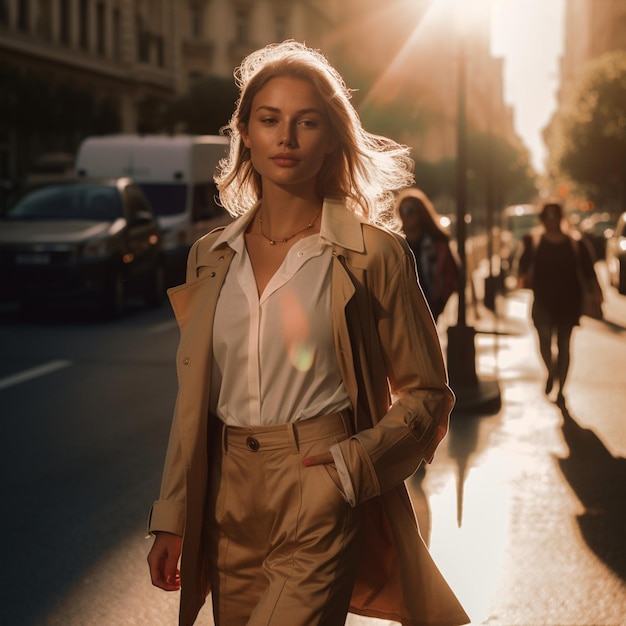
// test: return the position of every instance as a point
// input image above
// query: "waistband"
(257, 438)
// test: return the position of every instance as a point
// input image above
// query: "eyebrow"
(277, 110)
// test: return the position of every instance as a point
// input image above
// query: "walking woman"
(558, 269)
(437, 268)
(283, 480)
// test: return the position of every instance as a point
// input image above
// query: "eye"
(268, 120)
(309, 123)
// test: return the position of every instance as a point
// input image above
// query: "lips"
(284, 160)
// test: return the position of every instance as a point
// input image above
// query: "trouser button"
(252, 443)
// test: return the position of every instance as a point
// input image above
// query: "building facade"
(592, 27)
(126, 59)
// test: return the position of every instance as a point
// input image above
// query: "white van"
(175, 173)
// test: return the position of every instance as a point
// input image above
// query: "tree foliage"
(504, 167)
(588, 137)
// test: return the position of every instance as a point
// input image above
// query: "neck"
(278, 225)
(287, 211)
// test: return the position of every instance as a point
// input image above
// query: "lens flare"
(297, 332)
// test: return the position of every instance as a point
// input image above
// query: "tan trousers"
(284, 543)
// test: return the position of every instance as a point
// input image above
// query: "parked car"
(616, 255)
(598, 229)
(95, 241)
(176, 174)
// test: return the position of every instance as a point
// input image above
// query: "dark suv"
(90, 240)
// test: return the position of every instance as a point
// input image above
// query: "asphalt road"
(523, 508)
(85, 409)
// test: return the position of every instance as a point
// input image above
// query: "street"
(523, 509)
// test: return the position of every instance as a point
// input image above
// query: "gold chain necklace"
(273, 242)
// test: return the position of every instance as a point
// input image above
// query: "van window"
(166, 198)
(205, 205)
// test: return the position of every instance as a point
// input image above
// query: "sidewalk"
(441, 498)
(524, 508)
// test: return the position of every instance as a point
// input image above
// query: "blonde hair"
(365, 169)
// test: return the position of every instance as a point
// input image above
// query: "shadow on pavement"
(599, 480)
(462, 443)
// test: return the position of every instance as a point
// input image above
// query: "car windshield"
(165, 198)
(69, 202)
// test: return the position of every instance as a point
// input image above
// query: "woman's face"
(411, 215)
(288, 133)
(552, 219)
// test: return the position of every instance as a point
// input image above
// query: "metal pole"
(491, 280)
(461, 352)
(461, 185)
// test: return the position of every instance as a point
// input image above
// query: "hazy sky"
(529, 35)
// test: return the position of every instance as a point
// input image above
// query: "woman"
(437, 270)
(558, 269)
(283, 479)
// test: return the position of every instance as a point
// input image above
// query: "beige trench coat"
(385, 342)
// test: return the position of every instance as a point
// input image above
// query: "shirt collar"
(232, 235)
(339, 226)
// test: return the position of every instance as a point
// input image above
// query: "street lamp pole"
(461, 352)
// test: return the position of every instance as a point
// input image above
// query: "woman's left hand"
(319, 459)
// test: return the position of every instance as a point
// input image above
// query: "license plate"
(32, 258)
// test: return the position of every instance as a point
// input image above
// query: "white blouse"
(274, 358)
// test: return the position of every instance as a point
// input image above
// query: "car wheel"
(155, 292)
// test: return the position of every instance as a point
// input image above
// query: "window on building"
(618, 34)
(117, 42)
(195, 21)
(100, 28)
(242, 26)
(281, 27)
(23, 15)
(4, 12)
(83, 24)
(64, 22)
(143, 42)
(159, 44)
(44, 20)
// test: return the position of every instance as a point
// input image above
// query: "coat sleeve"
(379, 458)
(168, 512)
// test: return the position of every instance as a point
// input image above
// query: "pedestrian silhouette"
(559, 270)
(437, 268)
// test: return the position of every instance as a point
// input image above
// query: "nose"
(287, 137)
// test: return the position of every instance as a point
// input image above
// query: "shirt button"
(186, 360)
(253, 444)
(212, 274)
(300, 253)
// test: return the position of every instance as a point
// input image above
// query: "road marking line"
(35, 372)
